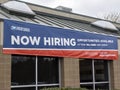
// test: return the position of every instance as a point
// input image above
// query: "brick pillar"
(70, 73)
(5, 72)
(115, 74)
(5, 65)
(115, 71)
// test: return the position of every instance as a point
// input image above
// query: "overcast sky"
(94, 8)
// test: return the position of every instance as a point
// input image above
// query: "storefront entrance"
(94, 74)
(33, 73)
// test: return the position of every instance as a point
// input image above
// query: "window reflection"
(23, 88)
(23, 70)
(94, 73)
(87, 86)
(101, 70)
(86, 71)
(102, 86)
(39, 88)
(47, 70)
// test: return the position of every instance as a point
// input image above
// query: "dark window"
(102, 86)
(86, 71)
(39, 88)
(25, 77)
(23, 70)
(101, 70)
(47, 70)
(94, 74)
(88, 86)
(26, 88)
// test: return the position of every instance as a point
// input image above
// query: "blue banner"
(20, 36)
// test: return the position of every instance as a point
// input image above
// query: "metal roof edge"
(52, 11)
(62, 14)
(1, 19)
(70, 15)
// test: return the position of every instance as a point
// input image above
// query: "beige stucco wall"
(115, 71)
(2, 1)
(5, 72)
(70, 73)
(5, 65)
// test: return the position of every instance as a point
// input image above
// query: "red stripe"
(100, 54)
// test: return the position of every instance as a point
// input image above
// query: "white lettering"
(47, 41)
(72, 41)
(35, 40)
(67, 42)
(15, 40)
(59, 41)
(25, 40)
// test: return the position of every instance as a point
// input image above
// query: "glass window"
(88, 86)
(47, 70)
(39, 88)
(86, 71)
(23, 70)
(25, 88)
(104, 86)
(31, 73)
(94, 74)
(101, 70)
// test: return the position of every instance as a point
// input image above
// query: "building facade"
(36, 69)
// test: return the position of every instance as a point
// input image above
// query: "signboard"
(33, 39)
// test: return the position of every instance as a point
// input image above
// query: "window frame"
(93, 83)
(36, 77)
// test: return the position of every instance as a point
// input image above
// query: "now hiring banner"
(33, 39)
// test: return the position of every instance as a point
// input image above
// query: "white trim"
(19, 86)
(109, 75)
(60, 82)
(84, 83)
(22, 86)
(102, 82)
(49, 84)
(59, 49)
(93, 73)
(36, 68)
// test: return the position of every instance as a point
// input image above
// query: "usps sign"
(33, 39)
